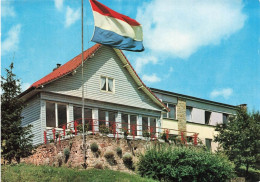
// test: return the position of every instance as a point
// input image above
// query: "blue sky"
(201, 48)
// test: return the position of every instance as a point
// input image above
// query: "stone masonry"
(53, 153)
(181, 115)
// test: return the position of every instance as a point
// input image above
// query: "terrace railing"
(119, 130)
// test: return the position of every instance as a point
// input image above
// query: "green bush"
(80, 128)
(128, 160)
(167, 163)
(94, 147)
(110, 156)
(103, 129)
(119, 151)
(253, 174)
(146, 133)
(66, 154)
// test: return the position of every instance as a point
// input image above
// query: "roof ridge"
(68, 67)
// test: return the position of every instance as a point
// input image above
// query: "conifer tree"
(240, 138)
(15, 139)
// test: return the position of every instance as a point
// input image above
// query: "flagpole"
(82, 78)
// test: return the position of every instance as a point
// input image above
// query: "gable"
(105, 62)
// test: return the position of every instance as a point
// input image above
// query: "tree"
(16, 140)
(239, 139)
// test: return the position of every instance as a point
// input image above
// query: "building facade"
(193, 114)
(114, 97)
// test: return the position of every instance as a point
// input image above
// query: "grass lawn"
(28, 173)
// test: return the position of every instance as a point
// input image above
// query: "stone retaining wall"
(53, 154)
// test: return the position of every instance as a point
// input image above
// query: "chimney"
(58, 65)
(243, 106)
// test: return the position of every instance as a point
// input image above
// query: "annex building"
(116, 99)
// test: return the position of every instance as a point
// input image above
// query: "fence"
(119, 130)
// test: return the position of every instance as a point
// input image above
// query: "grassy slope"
(28, 173)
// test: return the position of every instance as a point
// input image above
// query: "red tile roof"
(75, 63)
(66, 68)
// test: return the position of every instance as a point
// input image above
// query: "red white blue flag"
(116, 30)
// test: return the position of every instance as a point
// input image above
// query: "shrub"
(125, 132)
(94, 147)
(98, 165)
(128, 160)
(119, 151)
(167, 163)
(80, 128)
(164, 136)
(66, 154)
(103, 129)
(252, 175)
(146, 133)
(110, 156)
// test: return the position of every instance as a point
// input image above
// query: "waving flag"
(115, 29)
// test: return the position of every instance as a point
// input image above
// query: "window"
(77, 112)
(56, 114)
(133, 119)
(112, 119)
(225, 118)
(145, 123)
(102, 117)
(124, 119)
(208, 143)
(62, 115)
(172, 113)
(50, 114)
(207, 117)
(188, 113)
(153, 126)
(107, 84)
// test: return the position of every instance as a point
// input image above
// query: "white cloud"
(71, 16)
(142, 61)
(180, 28)
(25, 86)
(168, 74)
(151, 78)
(58, 4)
(12, 40)
(7, 9)
(226, 93)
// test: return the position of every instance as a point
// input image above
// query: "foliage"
(80, 128)
(15, 139)
(24, 172)
(104, 129)
(94, 147)
(168, 163)
(240, 138)
(57, 136)
(128, 160)
(119, 151)
(98, 165)
(66, 152)
(125, 132)
(252, 174)
(51, 140)
(164, 136)
(146, 133)
(109, 154)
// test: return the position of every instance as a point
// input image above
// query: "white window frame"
(168, 113)
(190, 114)
(56, 113)
(113, 90)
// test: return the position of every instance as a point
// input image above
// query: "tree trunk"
(247, 166)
